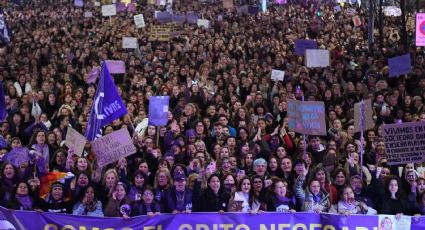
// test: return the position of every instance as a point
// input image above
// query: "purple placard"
(307, 117)
(192, 17)
(399, 65)
(163, 17)
(78, 3)
(302, 44)
(131, 8)
(158, 110)
(121, 7)
(115, 67)
(178, 18)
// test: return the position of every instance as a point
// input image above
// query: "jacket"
(80, 209)
(140, 208)
(206, 201)
(308, 201)
(169, 200)
(359, 207)
(114, 207)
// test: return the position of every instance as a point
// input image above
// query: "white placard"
(317, 58)
(139, 21)
(129, 42)
(278, 75)
(88, 14)
(96, 3)
(203, 22)
(109, 10)
(392, 11)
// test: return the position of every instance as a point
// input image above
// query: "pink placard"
(420, 29)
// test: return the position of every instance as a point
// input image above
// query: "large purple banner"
(203, 221)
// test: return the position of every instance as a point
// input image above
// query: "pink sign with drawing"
(420, 29)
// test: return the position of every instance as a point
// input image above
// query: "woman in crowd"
(118, 205)
(244, 199)
(348, 205)
(87, 203)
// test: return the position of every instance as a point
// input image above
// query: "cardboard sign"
(129, 43)
(109, 10)
(113, 146)
(139, 21)
(357, 21)
(399, 65)
(307, 117)
(228, 4)
(420, 29)
(392, 11)
(203, 22)
(161, 33)
(78, 3)
(317, 58)
(405, 142)
(302, 44)
(88, 14)
(115, 67)
(278, 75)
(367, 118)
(74, 140)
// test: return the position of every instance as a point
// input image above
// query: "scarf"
(25, 201)
(90, 207)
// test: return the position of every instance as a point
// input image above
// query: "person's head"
(22, 189)
(110, 179)
(299, 166)
(179, 181)
(82, 179)
(279, 188)
(320, 174)
(139, 179)
(34, 184)
(244, 185)
(229, 183)
(82, 164)
(356, 183)
(420, 185)
(257, 183)
(347, 194)
(340, 177)
(260, 166)
(314, 186)
(9, 171)
(163, 178)
(392, 186)
(411, 176)
(273, 164)
(121, 190)
(57, 191)
(314, 142)
(214, 183)
(386, 224)
(148, 195)
(143, 167)
(286, 164)
(88, 193)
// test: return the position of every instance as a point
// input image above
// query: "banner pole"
(304, 137)
(157, 135)
(361, 137)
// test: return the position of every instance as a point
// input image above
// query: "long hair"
(252, 194)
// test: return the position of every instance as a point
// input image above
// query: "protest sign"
(113, 146)
(351, 11)
(139, 21)
(228, 4)
(278, 75)
(357, 21)
(307, 117)
(192, 17)
(405, 142)
(392, 11)
(158, 110)
(337, 8)
(203, 22)
(160, 33)
(302, 44)
(96, 3)
(78, 3)
(75, 141)
(368, 113)
(129, 42)
(88, 14)
(399, 65)
(420, 29)
(317, 58)
(115, 66)
(18, 156)
(109, 10)
(131, 8)
(162, 17)
(121, 7)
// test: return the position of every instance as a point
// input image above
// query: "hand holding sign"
(129, 43)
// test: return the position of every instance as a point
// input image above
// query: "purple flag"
(131, 8)
(178, 18)
(192, 17)
(158, 110)
(163, 17)
(302, 44)
(18, 156)
(115, 67)
(91, 78)
(3, 143)
(121, 7)
(107, 105)
(3, 111)
(399, 65)
(78, 3)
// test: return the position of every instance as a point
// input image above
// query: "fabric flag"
(399, 65)
(47, 180)
(3, 111)
(107, 105)
(94, 73)
(158, 110)
(18, 156)
(4, 31)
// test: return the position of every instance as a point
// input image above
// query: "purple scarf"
(25, 201)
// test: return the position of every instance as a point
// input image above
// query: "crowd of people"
(227, 146)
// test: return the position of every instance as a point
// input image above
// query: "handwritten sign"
(115, 67)
(228, 4)
(368, 113)
(139, 21)
(109, 10)
(317, 58)
(420, 29)
(113, 146)
(405, 143)
(278, 75)
(392, 11)
(129, 42)
(203, 22)
(160, 33)
(74, 140)
(88, 14)
(78, 3)
(307, 117)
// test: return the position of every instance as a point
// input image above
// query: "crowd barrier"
(210, 221)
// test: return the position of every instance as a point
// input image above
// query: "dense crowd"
(227, 146)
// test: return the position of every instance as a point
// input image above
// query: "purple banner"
(178, 18)
(302, 44)
(192, 17)
(204, 221)
(399, 65)
(163, 17)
